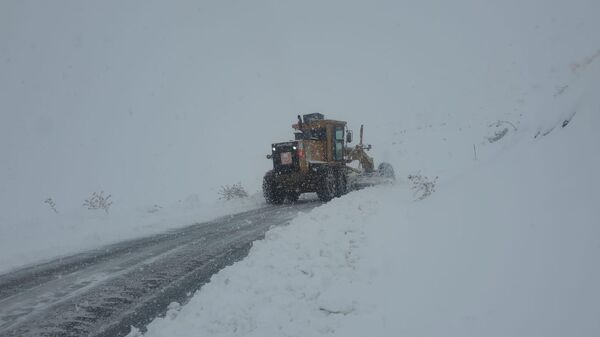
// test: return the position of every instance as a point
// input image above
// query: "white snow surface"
(507, 248)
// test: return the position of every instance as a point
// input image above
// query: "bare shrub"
(98, 201)
(234, 191)
(155, 208)
(51, 204)
(501, 130)
(422, 187)
(498, 135)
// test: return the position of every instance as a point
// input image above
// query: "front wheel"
(386, 170)
(273, 195)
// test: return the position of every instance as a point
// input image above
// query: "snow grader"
(320, 160)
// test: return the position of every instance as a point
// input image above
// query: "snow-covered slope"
(509, 248)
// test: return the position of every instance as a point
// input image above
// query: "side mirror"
(269, 156)
(349, 136)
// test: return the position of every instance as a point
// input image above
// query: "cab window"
(338, 153)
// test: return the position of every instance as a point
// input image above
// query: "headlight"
(273, 149)
(293, 147)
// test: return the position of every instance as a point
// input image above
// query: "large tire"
(341, 186)
(327, 185)
(273, 195)
(386, 170)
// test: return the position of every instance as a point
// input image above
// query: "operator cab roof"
(315, 121)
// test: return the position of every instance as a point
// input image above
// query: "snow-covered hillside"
(509, 248)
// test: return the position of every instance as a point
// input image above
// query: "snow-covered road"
(104, 291)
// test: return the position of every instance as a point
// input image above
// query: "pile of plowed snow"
(508, 248)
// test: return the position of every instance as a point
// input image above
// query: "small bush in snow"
(422, 187)
(98, 201)
(155, 208)
(232, 192)
(501, 129)
(498, 135)
(52, 204)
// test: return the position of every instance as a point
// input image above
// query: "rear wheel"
(341, 184)
(272, 193)
(327, 185)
